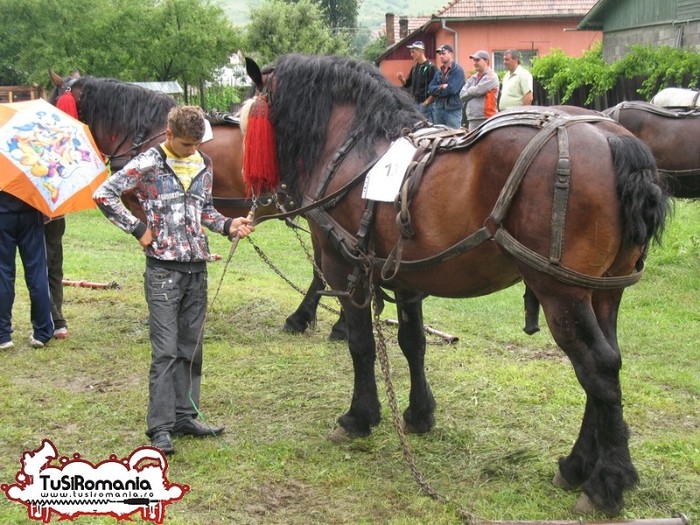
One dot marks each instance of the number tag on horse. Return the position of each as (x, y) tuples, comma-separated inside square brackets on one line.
[(383, 181)]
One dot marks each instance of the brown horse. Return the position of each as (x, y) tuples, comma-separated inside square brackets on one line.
[(566, 203), (672, 136), (126, 119)]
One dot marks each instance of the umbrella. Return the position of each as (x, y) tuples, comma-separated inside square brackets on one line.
[(47, 158)]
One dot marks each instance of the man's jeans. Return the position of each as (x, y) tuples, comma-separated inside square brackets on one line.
[(427, 111), (452, 118), (177, 303)]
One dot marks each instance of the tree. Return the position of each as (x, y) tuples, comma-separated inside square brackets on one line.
[(375, 48), (341, 14), (185, 40), (278, 27), (193, 39)]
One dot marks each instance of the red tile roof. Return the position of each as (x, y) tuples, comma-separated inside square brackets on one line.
[(514, 8), (414, 22)]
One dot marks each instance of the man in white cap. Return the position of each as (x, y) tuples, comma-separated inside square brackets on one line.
[(480, 92), (419, 78), (445, 86)]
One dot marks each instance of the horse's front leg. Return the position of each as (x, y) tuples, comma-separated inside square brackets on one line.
[(419, 416), (364, 410)]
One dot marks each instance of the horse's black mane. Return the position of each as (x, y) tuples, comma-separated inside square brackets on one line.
[(307, 88), (122, 109)]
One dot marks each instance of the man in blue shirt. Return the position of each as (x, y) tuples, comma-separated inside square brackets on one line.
[(445, 88)]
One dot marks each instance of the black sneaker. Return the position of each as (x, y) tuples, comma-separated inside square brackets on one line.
[(162, 440), (192, 427)]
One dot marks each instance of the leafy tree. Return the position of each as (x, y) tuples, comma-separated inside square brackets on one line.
[(185, 40), (660, 67), (192, 40), (341, 14), (278, 27), (375, 48)]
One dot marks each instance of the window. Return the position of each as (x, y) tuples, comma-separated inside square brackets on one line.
[(526, 60)]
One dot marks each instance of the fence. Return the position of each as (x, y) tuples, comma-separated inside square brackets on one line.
[(21, 93)]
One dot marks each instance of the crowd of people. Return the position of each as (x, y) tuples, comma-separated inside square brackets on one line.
[(446, 96)]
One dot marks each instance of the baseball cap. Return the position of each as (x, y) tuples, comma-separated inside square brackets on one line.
[(444, 47), (481, 54), (418, 44)]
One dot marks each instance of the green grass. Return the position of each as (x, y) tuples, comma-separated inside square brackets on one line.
[(508, 404)]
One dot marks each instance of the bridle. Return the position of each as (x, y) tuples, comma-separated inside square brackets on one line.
[(130, 152)]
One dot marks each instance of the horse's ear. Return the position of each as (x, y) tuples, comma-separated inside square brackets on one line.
[(254, 72), (56, 79)]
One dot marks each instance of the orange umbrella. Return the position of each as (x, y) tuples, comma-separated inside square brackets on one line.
[(47, 158)]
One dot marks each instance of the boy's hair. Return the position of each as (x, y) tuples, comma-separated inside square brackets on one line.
[(186, 121)]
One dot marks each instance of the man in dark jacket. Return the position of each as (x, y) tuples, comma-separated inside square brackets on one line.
[(445, 87), (419, 79), (22, 227)]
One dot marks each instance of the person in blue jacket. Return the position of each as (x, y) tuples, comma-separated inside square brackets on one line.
[(445, 88), (22, 228)]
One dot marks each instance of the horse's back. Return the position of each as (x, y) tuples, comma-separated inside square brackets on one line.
[(460, 191)]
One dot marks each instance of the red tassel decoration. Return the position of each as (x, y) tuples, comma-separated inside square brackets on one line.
[(260, 170)]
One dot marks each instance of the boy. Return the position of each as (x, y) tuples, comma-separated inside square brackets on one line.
[(173, 184)]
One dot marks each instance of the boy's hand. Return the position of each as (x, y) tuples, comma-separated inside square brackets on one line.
[(241, 227), (146, 239)]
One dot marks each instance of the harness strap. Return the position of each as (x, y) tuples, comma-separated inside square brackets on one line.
[(561, 196), (565, 275), (232, 202)]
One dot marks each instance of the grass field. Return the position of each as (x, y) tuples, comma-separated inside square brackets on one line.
[(508, 404)]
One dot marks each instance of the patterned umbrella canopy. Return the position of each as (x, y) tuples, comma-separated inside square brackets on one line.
[(47, 158)]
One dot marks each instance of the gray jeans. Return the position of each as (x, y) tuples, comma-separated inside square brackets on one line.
[(177, 304)]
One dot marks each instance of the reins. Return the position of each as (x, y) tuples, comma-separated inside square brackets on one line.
[(131, 152)]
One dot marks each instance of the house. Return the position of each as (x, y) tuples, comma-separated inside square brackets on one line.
[(674, 23), (533, 27), (171, 87)]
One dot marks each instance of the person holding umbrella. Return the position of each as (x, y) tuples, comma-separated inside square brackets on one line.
[(22, 228)]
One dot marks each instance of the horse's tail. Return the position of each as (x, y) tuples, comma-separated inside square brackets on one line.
[(645, 204)]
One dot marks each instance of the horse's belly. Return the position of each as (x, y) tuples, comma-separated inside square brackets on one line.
[(480, 272)]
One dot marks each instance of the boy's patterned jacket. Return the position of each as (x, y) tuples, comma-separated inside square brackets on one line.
[(174, 216)]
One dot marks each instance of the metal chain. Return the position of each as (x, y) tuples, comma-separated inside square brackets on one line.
[(275, 269), (424, 485)]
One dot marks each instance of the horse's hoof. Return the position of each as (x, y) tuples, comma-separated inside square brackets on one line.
[(340, 435), (293, 329), (337, 335), (410, 429), (560, 481), (584, 505), (529, 330)]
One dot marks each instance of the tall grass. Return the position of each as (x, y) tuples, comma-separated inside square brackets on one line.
[(508, 404)]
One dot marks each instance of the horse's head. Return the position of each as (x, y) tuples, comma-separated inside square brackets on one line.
[(64, 84), (309, 101)]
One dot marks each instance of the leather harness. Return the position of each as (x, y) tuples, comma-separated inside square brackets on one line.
[(430, 142), (676, 114)]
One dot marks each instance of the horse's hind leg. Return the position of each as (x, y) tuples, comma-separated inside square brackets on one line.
[(599, 461), (305, 314), (532, 312), (419, 416)]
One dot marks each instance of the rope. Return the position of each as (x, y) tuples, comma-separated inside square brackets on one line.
[(200, 335)]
